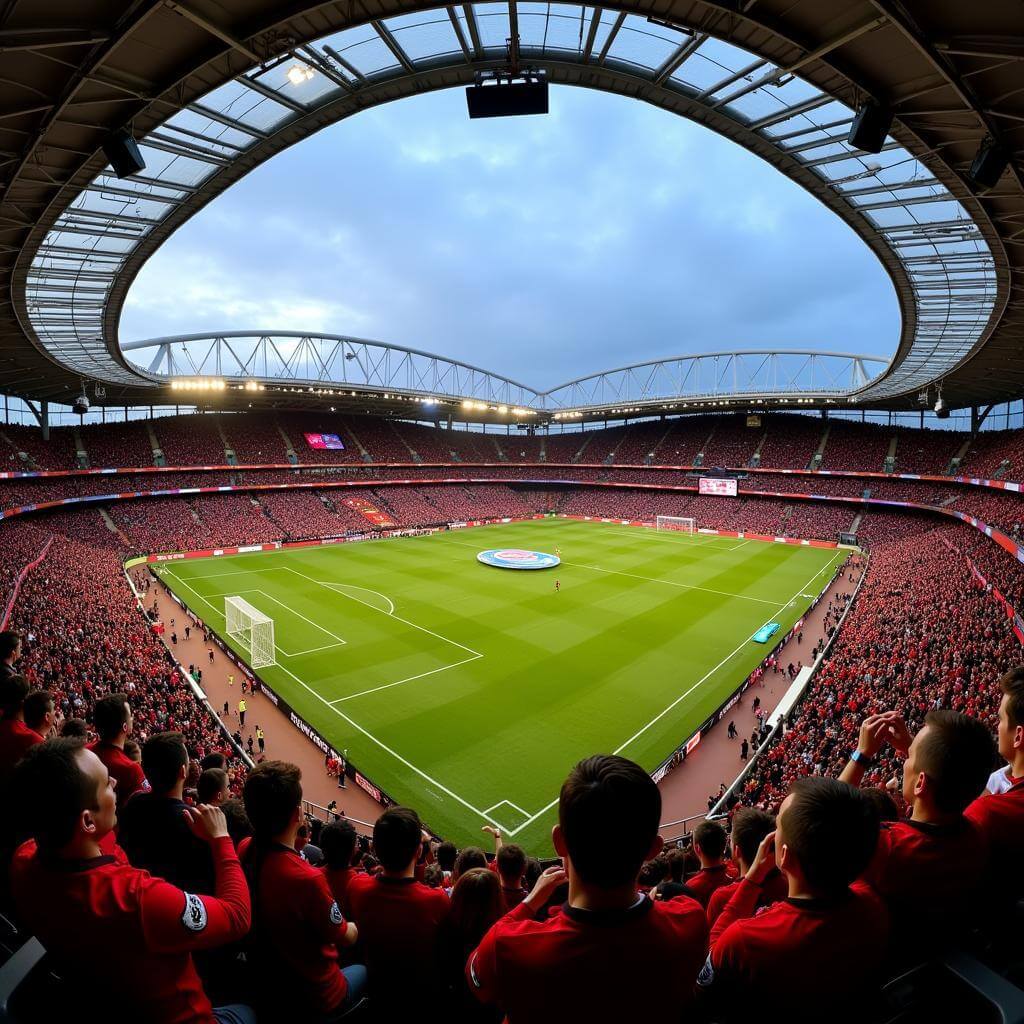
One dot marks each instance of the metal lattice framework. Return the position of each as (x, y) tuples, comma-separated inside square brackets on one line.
[(783, 87)]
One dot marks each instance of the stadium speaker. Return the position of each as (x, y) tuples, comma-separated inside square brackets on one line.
[(989, 164), (870, 127), (123, 153), (511, 100)]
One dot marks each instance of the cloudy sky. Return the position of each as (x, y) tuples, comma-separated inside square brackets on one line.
[(543, 248)]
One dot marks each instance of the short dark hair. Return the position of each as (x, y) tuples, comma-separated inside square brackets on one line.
[(338, 841), (9, 640), (711, 838), (272, 792), (446, 854), (957, 755), (13, 691), (833, 830), (397, 836), (76, 728), (110, 714), (609, 810), (214, 760), (749, 826), (888, 809), (1012, 684), (469, 857), (238, 821), (38, 704), (511, 862), (52, 792), (210, 783), (164, 754), (676, 860)]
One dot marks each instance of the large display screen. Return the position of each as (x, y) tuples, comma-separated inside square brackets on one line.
[(725, 486), (324, 441)]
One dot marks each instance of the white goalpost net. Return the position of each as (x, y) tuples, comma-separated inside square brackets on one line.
[(677, 524), (252, 630)]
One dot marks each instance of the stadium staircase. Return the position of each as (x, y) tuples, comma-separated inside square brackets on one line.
[(698, 459), (81, 455), (755, 459), (889, 466), (414, 455), (652, 457), (502, 457), (154, 443), (953, 469), (589, 434), (23, 457), (229, 452), (366, 456), (289, 448), (819, 456)]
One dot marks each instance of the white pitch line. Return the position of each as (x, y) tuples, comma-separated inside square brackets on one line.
[(352, 586), (683, 696), (311, 650), (738, 546), (270, 597), (408, 679)]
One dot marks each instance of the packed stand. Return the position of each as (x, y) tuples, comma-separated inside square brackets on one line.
[(255, 440), (732, 442), (56, 453), (111, 445), (191, 440), (790, 441), (853, 445)]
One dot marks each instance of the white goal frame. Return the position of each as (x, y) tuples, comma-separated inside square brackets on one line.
[(676, 524), (251, 630)]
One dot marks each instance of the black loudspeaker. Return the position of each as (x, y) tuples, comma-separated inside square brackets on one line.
[(989, 164), (507, 100), (123, 153), (870, 127)]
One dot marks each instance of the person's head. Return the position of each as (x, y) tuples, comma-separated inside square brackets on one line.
[(10, 646), (749, 826), (446, 854), (40, 711), (653, 871), (676, 862), (165, 761), (534, 869), (608, 815), (214, 760), (133, 751), (273, 799), (888, 809), (1011, 717), (469, 857), (433, 876), (709, 842), (511, 864), (238, 821), (948, 763), (825, 835), (397, 839), (212, 787), (476, 904), (112, 718), (13, 691), (66, 795), (338, 840), (75, 728)]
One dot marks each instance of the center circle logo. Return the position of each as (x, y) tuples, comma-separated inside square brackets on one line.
[(518, 558)]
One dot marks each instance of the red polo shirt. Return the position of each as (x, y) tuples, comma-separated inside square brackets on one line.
[(1000, 819), (829, 951), (775, 888), (128, 774), (707, 880), (398, 921), (16, 739), (625, 965), (338, 879), (115, 929), (297, 924)]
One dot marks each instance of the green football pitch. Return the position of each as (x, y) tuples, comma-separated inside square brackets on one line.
[(468, 691)]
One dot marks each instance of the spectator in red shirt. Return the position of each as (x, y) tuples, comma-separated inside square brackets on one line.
[(826, 940), (749, 827), (41, 713), (297, 923), (937, 850), (1000, 816), (338, 841), (611, 954), (10, 652), (213, 787), (709, 842), (510, 864), (112, 720), (398, 918), (16, 738), (111, 928)]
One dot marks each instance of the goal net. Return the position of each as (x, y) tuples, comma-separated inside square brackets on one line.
[(677, 524), (251, 630)]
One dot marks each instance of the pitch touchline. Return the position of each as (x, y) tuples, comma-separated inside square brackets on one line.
[(682, 696)]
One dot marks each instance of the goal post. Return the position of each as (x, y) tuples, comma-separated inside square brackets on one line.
[(251, 630), (676, 524)]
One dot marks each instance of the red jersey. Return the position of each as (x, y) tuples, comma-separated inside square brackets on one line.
[(913, 863), (297, 924), (830, 951), (16, 739), (128, 774), (775, 888), (116, 929), (633, 964), (398, 921), (707, 880), (1000, 819), (338, 879)]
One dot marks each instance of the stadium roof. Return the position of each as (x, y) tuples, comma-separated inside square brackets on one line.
[(211, 90)]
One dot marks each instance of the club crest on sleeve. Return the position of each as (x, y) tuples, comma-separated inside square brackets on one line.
[(336, 917), (194, 917)]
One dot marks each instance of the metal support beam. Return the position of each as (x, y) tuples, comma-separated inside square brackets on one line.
[(214, 30), (474, 29), (392, 44), (611, 37), (679, 57)]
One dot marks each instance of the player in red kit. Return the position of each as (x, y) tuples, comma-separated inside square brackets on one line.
[(558, 586), (112, 928)]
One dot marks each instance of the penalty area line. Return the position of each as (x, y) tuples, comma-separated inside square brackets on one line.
[(408, 679)]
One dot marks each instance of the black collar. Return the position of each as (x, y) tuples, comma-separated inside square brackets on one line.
[(388, 880), (606, 918), (821, 904), (73, 865)]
